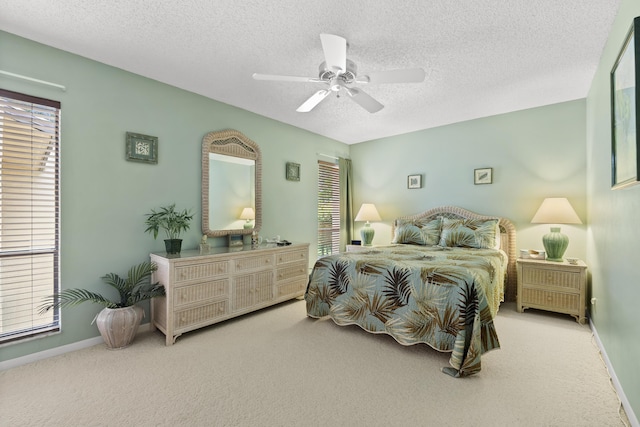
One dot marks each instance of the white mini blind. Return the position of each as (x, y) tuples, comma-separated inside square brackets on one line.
[(29, 213), (328, 208)]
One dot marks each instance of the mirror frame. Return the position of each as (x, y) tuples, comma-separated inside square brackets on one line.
[(231, 143)]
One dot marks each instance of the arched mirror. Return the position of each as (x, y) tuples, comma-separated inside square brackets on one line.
[(231, 183)]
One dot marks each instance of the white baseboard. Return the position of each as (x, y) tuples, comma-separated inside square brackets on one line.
[(79, 345), (614, 378)]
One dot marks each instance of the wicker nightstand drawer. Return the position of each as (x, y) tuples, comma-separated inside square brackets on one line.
[(552, 286), (567, 303), (568, 280)]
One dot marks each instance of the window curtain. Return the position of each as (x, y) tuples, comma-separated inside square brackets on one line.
[(346, 203)]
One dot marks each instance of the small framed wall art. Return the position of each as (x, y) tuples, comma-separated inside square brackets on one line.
[(142, 148), (625, 112), (293, 171), (483, 176), (414, 181)]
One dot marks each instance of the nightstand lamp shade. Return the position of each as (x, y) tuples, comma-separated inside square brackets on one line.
[(248, 214), (367, 212), (555, 210)]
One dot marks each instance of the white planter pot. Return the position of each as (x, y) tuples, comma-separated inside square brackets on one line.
[(118, 326)]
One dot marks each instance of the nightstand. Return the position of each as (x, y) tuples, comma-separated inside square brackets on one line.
[(553, 286)]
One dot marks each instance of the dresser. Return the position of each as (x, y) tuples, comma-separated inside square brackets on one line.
[(554, 286), (206, 288)]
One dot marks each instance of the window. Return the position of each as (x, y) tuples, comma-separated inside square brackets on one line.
[(328, 208), (29, 213)]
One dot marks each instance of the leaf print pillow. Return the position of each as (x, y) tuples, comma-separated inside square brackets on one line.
[(417, 232), (469, 233)]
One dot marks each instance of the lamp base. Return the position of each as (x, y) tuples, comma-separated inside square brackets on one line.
[(367, 234), (555, 243)]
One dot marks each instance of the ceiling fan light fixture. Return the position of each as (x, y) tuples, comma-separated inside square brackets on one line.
[(337, 72)]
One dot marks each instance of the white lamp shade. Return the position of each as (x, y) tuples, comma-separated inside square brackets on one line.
[(556, 210), (248, 213), (368, 212)]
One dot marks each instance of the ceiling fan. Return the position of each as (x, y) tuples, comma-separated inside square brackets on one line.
[(340, 74)]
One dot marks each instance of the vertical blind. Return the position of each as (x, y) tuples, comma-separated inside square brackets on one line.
[(29, 213), (328, 208)]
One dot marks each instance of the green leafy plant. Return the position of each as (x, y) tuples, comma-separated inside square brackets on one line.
[(134, 288), (170, 220)]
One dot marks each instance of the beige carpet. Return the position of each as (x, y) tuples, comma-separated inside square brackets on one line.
[(279, 368)]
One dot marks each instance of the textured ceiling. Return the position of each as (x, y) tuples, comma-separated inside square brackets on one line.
[(481, 57)]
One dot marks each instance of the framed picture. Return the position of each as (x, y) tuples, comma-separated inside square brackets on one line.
[(483, 176), (414, 181), (293, 171), (142, 148), (236, 240), (625, 95)]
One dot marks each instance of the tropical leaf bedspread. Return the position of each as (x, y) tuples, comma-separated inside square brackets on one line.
[(441, 296)]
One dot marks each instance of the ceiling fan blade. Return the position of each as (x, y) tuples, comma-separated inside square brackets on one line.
[(410, 75), (314, 100), (364, 100), (273, 77), (335, 52)]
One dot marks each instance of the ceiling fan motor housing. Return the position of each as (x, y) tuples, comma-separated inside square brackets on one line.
[(347, 76)]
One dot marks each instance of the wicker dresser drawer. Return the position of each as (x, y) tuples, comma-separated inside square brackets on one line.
[(298, 270), (201, 270), (552, 286), (254, 263), (292, 256), (187, 318), (216, 289)]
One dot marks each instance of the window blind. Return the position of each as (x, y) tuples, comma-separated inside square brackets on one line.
[(328, 208), (29, 213)]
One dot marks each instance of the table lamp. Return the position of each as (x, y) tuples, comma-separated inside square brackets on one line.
[(367, 212), (555, 210), (248, 214)]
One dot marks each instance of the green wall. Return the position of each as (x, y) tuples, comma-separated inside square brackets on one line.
[(104, 197), (613, 238), (534, 154)]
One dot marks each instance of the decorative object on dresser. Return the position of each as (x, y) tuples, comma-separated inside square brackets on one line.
[(142, 148), (553, 286), (414, 181), (235, 240), (367, 212), (248, 214), (119, 320), (173, 223), (555, 210), (205, 289), (443, 291), (483, 176), (625, 112)]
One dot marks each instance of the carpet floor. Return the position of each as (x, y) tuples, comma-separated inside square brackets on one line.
[(276, 367)]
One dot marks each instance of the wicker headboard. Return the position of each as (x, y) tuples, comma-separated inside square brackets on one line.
[(507, 238)]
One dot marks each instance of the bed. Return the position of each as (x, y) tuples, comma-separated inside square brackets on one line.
[(440, 282)]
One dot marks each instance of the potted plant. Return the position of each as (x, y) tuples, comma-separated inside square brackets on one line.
[(172, 222), (118, 322)]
